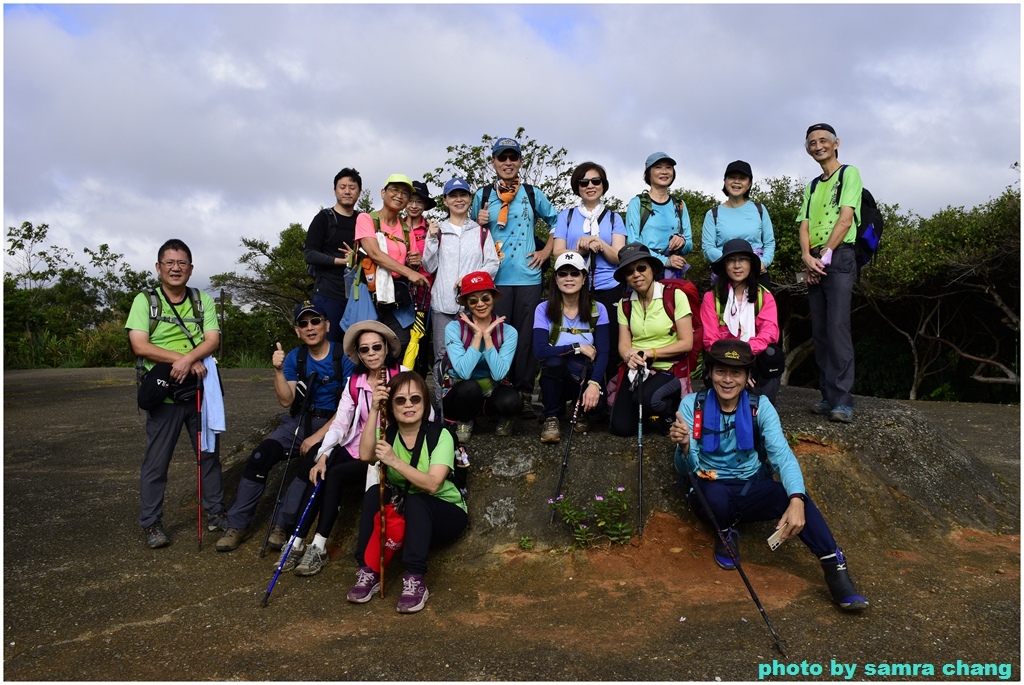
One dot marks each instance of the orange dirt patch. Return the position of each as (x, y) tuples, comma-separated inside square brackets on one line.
[(970, 539), (809, 444)]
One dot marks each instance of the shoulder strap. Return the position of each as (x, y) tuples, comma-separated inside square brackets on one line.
[(532, 197), (714, 214), (568, 218), (668, 301), (485, 194), (760, 210), (645, 209), (155, 310)]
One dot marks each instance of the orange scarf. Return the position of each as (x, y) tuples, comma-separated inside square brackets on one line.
[(506, 193)]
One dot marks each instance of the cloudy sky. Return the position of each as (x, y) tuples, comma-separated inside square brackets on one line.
[(129, 124)]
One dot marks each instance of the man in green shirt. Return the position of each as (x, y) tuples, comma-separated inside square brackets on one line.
[(828, 229), (182, 338)]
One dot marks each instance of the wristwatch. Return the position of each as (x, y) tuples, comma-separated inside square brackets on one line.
[(576, 349)]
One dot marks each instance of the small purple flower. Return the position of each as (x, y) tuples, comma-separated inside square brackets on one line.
[(583, 526), (561, 496), (599, 498), (551, 501), (620, 489)]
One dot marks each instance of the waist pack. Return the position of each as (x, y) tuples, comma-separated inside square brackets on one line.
[(157, 386)]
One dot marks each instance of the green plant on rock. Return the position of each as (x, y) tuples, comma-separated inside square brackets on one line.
[(602, 518)]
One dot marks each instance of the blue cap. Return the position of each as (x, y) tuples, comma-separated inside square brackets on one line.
[(505, 144), (456, 184), (656, 157), (306, 306)]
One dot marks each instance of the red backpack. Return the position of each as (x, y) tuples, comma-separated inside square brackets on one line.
[(685, 366)]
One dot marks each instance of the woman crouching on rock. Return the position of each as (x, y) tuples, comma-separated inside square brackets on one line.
[(418, 457)]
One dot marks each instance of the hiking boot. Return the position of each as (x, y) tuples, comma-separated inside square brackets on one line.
[(217, 522), (278, 536), (232, 538), (583, 424), (551, 433), (155, 536), (294, 555), (840, 586), (504, 428), (822, 408), (842, 414), (367, 583), (464, 431), (528, 411), (722, 557), (312, 561), (414, 594)]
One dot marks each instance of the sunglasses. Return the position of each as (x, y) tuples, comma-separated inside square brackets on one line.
[(474, 300), (508, 157), (639, 268), (584, 182), (376, 347), (312, 321), (402, 400), (574, 273)]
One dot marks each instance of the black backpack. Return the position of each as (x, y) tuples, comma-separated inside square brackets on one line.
[(301, 389), (433, 434), (869, 230)]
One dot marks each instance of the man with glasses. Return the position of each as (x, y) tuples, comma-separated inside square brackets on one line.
[(320, 380), (329, 241), (510, 210), (169, 332)]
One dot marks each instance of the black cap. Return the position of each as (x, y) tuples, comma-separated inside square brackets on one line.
[(820, 127), (419, 188), (739, 167), (737, 246), (731, 352), (306, 306)]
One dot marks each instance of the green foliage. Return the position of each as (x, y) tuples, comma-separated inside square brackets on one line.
[(525, 543), (249, 338), (603, 518)]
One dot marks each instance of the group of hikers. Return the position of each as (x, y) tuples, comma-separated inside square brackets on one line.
[(361, 411)]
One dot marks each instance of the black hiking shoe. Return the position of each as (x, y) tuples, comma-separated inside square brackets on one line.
[(840, 586), (155, 536), (722, 557), (217, 522)]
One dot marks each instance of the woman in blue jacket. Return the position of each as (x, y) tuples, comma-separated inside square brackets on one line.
[(737, 217)]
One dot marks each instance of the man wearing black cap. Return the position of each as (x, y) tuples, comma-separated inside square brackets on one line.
[(718, 437), (828, 229), (311, 327)]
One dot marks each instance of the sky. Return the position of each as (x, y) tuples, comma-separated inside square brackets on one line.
[(131, 124)]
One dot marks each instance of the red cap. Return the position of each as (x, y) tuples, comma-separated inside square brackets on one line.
[(476, 281)]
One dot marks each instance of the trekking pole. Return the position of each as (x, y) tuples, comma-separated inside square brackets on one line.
[(780, 644), (382, 423), (641, 373), (306, 403), (291, 542), (572, 430), (199, 457)]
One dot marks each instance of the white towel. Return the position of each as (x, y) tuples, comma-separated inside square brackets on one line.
[(385, 284), (214, 422)]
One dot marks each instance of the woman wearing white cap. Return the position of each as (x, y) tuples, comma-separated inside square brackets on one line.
[(570, 338), (654, 219), (388, 222)]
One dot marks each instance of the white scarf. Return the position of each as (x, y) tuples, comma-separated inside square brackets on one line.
[(590, 219), (739, 316)]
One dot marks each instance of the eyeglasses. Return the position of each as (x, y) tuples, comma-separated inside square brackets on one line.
[(401, 400), (399, 191), (171, 263), (508, 157), (574, 273), (474, 300), (376, 347), (311, 321), (639, 268), (584, 182)]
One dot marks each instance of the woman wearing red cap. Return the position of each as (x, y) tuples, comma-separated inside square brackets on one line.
[(479, 348)]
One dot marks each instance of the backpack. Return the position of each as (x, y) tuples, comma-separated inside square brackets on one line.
[(869, 230), (338, 359), (760, 212), (156, 317), (646, 208), (556, 331), (766, 470), (686, 365), (332, 226), (433, 434)]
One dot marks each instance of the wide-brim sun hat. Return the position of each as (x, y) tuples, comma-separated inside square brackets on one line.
[(573, 259), (351, 341), (731, 352), (420, 190), (635, 252), (474, 282), (737, 246)]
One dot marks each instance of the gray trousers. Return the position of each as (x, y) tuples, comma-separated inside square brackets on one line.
[(830, 303), (163, 426)]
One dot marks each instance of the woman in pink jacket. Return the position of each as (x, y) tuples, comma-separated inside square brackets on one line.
[(737, 307)]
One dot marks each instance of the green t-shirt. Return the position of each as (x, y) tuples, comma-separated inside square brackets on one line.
[(653, 328), (444, 453), (169, 336), (824, 207)]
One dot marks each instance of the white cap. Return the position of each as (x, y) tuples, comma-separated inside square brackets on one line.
[(571, 259)]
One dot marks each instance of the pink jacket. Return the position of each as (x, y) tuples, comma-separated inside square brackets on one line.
[(766, 323)]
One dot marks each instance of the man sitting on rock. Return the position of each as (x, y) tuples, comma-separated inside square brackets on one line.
[(727, 428)]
